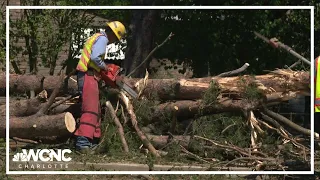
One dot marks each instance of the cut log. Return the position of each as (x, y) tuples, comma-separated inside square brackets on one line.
[(21, 84), (184, 109), (32, 126), (28, 107), (184, 89), (24, 107), (188, 109)]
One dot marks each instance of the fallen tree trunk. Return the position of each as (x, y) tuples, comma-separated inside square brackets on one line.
[(184, 89), (21, 84), (24, 107), (32, 126), (28, 107), (184, 109), (187, 89), (187, 109)]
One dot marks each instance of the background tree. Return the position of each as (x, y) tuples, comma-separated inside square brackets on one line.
[(2, 35), (140, 43)]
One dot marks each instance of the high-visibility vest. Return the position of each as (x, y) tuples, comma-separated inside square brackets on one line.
[(85, 61), (317, 85)]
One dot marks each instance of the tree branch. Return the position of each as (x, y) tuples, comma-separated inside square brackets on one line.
[(63, 100), (157, 47), (118, 124), (134, 122), (234, 72), (54, 94), (290, 123)]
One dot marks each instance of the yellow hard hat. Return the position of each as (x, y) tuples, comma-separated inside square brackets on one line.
[(118, 28)]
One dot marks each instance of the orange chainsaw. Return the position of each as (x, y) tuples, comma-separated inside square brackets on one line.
[(112, 78)]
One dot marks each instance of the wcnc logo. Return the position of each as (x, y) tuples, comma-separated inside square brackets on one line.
[(42, 155)]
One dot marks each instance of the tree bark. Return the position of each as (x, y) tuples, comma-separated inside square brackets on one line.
[(24, 107), (20, 108), (20, 84), (28, 107), (140, 44), (32, 126), (183, 109), (279, 81), (188, 89), (191, 109)]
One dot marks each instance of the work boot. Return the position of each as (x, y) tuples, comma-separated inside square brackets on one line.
[(85, 150), (96, 149), (83, 145)]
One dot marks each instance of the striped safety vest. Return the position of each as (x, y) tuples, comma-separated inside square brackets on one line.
[(85, 61), (317, 85)]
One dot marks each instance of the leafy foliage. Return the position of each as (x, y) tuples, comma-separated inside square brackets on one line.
[(210, 96), (215, 41)]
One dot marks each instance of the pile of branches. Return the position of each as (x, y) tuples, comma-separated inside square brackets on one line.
[(179, 100)]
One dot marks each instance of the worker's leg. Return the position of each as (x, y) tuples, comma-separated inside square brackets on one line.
[(97, 132), (90, 112)]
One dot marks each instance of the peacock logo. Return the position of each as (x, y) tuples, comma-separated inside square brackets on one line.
[(19, 157)]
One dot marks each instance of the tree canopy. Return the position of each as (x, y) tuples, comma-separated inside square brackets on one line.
[(211, 41)]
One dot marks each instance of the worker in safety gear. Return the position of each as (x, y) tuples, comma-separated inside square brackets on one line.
[(88, 68), (317, 95)]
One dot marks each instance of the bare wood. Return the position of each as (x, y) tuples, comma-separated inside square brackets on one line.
[(187, 89), (43, 95), (125, 119), (63, 100), (69, 122), (32, 94), (134, 122), (255, 128), (119, 126), (236, 71), (33, 126)]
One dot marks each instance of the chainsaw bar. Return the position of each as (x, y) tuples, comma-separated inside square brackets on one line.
[(126, 88)]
